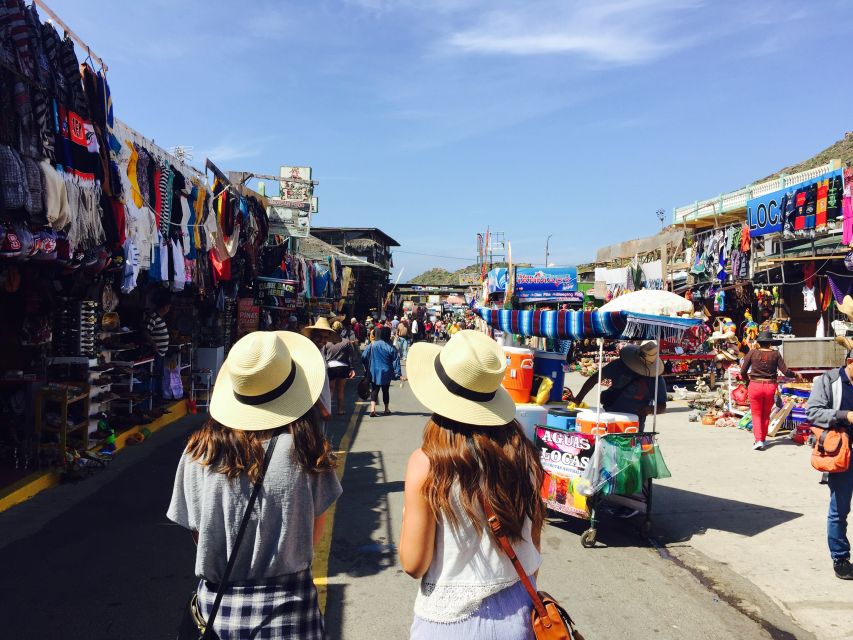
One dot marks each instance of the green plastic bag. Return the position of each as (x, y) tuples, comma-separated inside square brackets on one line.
[(652, 463)]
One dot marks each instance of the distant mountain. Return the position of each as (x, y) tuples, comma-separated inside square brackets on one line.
[(842, 150), (465, 275)]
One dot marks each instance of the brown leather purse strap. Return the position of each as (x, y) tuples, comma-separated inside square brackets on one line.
[(505, 544)]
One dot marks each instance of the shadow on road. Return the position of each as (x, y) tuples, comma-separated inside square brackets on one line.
[(678, 515), (363, 543)]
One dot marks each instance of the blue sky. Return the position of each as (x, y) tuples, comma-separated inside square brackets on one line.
[(434, 119)]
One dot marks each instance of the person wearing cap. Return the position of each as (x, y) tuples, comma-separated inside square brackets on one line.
[(830, 404), (264, 400), (474, 453), (632, 378), (759, 372)]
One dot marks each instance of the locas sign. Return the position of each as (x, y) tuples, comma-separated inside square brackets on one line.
[(765, 214)]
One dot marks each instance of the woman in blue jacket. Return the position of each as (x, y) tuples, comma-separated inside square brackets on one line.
[(382, 364)]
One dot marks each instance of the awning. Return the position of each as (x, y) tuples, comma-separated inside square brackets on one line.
[(577, 325)]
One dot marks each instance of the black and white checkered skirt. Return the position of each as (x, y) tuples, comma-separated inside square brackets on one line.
[(284, 608)]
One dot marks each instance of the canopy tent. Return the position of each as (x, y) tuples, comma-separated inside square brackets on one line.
[(577, 325)]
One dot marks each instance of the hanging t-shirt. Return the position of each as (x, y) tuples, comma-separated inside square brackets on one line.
[(809, 302)]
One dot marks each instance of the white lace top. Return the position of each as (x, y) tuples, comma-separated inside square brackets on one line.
[(467, 567)]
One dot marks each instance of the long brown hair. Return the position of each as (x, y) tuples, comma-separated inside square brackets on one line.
[(498, 462), (235, 452)]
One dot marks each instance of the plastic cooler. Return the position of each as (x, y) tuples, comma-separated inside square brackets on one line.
[(588, 421), (518, 377), (528, 416), (562, 419), (550, 364)]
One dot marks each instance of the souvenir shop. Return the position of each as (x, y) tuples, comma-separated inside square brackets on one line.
[(100, 228)]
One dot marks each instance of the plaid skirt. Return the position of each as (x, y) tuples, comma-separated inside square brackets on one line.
[(281, 609)]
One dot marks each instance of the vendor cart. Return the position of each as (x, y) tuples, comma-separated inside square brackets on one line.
[(576, 480)]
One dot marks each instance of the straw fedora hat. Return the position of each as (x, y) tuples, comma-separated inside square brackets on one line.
[(765, 337), (322, 324), (643, 358), (268, 380), (462, 380)]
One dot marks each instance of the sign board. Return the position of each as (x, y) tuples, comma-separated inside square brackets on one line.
[(496, 280), (276, 293), (315, 204), (764, 214), (565, 455), (552, 283), (291, 222), (296, 184), (248, 316)]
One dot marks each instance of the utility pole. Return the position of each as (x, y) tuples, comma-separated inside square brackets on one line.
[(547, 243)]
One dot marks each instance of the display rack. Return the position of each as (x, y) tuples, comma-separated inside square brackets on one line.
[(144, 393), (65, 397)]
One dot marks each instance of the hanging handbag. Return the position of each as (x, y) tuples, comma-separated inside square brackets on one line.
[(364, 383), (193, 625), (831, 452), (549, 620)]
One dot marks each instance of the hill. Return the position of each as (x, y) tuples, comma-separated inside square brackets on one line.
[(842, 150), (465, 275)]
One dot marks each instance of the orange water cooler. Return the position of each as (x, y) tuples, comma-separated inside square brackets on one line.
[(589, 421), (518, 377)]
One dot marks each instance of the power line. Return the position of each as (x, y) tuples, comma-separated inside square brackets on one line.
[(432, 255)]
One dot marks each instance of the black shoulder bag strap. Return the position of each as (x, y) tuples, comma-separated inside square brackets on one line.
[(232, 559)]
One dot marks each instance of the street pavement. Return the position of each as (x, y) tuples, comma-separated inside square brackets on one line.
[(99, 560)]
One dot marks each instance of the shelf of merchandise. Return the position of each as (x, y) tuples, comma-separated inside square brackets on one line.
[(129, 397), (98, 388), (65, 397)]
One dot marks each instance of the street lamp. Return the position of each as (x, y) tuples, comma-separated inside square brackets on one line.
[(661, 215), (547, 242)]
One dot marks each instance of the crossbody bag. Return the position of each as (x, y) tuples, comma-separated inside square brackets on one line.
[(549, 620), (193, 625)]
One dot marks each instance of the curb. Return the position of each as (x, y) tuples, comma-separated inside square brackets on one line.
[(36, 482)]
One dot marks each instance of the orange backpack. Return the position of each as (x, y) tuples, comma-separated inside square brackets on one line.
[(831, 451)]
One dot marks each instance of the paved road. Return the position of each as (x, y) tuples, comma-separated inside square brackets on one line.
[(98, 560)]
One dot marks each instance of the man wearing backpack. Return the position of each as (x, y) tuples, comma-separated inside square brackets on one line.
[(831, 405)]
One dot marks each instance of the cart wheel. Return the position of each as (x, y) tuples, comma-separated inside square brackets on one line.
[(588, 538)]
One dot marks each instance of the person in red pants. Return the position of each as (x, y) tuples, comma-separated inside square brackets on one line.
[(759, 371)]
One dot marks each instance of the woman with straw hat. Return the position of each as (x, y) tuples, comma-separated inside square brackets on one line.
[(474, 454), (339, 364), (759, 371), (263, 447)]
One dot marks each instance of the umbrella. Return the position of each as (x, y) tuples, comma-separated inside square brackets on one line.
[(650, 301)]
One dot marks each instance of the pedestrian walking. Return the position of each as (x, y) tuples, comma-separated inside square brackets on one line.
[(382, 363), (830, 404), (759, 372), (263, 431), (403, 339), (339, 364), (474, 453)]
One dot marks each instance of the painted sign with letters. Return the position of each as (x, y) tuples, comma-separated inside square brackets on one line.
[(764, 214), (565, 455), (553, 283)]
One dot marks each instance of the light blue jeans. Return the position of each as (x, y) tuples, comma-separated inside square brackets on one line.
[(403, 347), (840, 496)]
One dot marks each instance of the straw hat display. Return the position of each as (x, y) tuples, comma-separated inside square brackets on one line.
[(322, 324), (462, 380), (642, 359), (268, 380), (846, 306)]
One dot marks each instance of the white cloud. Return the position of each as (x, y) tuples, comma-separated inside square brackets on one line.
[(607, 31), (225, 152)]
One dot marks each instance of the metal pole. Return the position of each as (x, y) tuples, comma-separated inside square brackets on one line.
[(547, 243), (657, 381)]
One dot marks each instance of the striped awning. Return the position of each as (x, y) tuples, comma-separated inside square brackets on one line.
[(577, 325)]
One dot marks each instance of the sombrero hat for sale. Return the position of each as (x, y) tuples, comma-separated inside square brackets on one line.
[(268, 380), (462, 380), (322, 324), (846, 306)]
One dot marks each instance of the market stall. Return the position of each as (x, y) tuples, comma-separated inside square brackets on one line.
[(589, 456)]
